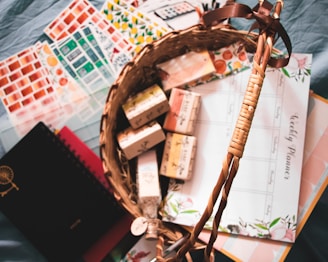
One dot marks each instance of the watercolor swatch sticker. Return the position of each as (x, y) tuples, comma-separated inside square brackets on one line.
[(83, 58), (178, 15), (175, 10), (115, 56), (29, 91), (81, 12), (66, 87), (68, 90), (133, 26)]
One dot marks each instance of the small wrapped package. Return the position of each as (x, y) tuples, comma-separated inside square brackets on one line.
[(133, 142), (178, 156), (146, 106), (184, 108), (186, 69), (149, 190)]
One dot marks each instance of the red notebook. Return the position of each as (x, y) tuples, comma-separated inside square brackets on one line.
[(116, 233), (85, 154)]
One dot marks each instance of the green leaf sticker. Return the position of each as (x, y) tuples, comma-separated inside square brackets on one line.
[(285, 72), (190, 211), (275, 221), (174, 208), (261, 226)]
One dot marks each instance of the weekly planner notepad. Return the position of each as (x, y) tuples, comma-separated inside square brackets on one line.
[(263, 200), (314, 181)]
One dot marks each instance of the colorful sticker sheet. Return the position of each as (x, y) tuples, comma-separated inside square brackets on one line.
[(133, 24), (34, 89), (66, 81), (81, 12), (115, 56), (175, 10), (68, 90), (83, 58), (141, 14)]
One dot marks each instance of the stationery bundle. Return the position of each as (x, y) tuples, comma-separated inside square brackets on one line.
[(271, 168), (67, 82)]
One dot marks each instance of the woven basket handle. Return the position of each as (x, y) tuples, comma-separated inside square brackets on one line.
[(270, 28), (265, 22)]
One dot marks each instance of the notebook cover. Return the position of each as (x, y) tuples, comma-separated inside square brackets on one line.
[(121, 228), (86, 155), (53, 198)]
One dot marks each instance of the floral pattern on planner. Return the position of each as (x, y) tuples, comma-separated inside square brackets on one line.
[(280, 228), (299, 67), (175, 206)]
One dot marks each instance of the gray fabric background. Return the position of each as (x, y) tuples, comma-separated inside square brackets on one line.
[(22, 23)]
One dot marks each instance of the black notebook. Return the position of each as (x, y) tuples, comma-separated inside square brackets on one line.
[(52, 198)]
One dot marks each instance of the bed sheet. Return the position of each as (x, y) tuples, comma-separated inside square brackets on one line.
[(306, 21)]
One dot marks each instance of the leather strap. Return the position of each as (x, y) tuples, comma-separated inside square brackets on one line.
[(263, 21)]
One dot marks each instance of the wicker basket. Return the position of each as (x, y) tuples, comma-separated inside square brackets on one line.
[(141, 73)]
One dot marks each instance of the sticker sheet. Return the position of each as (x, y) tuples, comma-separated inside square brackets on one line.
[(134, 25), (141, 14), (83, 58), (116, 56), (64, 82), (81, 12), (32, 88), (170, 13)]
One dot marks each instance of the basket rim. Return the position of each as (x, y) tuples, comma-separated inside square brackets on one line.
[(108, 146)]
